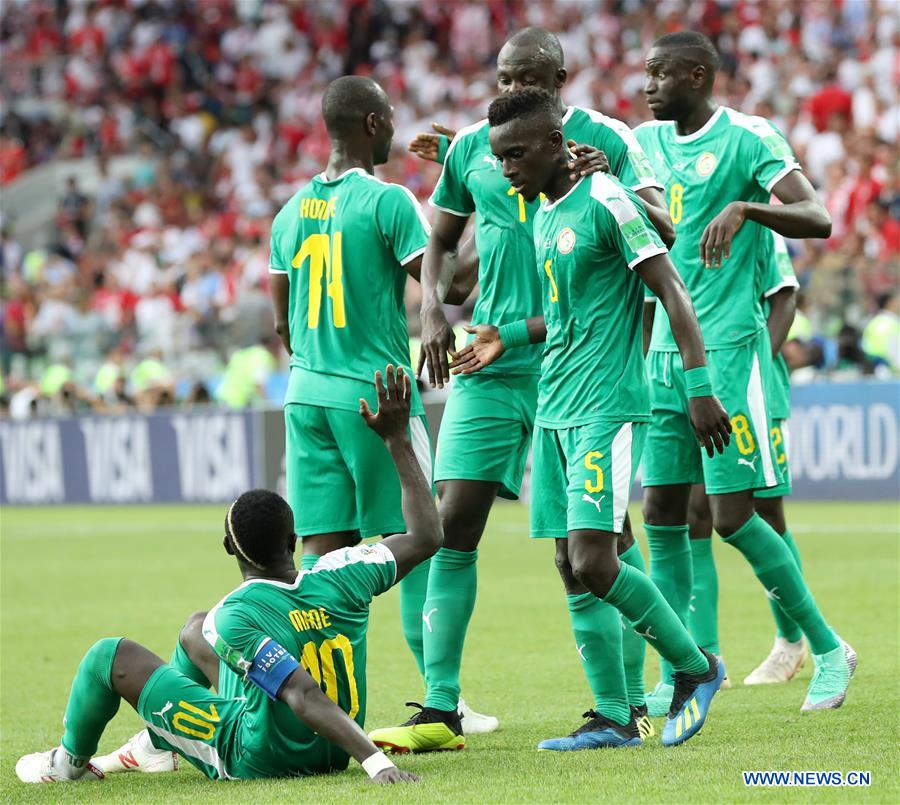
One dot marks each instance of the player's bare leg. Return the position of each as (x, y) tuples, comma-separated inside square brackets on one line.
[(110, 671), (703, 612), (592, 556), (445, 718), (665, 511), (735, 518), (789, 652)]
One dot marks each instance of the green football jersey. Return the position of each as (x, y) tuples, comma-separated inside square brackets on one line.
[(587, 245), (779, 274), (321, 620), (472, 182), (343, 244), (734, 157)]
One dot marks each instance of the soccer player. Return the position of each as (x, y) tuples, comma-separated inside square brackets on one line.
[(594, 246), (291, 647), (488, 421), (720, 168), (342, 249), (779, 289)]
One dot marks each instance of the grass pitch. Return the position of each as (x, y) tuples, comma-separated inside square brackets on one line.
[(72, 575)]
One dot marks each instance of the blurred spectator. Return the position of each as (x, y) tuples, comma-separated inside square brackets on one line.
[(881, 338)]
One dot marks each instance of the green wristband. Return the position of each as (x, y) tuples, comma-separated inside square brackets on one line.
[(697, 382), (443, 146), (514, 334)]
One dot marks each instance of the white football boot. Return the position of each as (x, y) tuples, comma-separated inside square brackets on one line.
[(55, 766), (138, 754), (783, 662), (475, 723)]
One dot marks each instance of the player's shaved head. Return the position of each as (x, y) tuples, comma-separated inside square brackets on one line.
[(348, 101), (259, 528), (691, 48), (536, 44)]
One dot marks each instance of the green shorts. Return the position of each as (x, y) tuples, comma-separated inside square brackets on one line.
[(781, 444), (673, 456), (486, 431), (201, 726), (581, 477), (339, 474)]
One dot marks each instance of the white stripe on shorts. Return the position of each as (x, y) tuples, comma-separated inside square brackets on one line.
[(621, 475), (756, 402), (191, 748), (422, 447)]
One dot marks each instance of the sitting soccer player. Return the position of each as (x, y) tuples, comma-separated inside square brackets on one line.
[(290, 647)]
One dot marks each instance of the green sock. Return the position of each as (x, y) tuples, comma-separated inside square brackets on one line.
[(634, 648), (308, 560), (92, 700), (775, 567), (182, 663), (639, 600), (785, 625), (597, 627), (452, 585), (703, 615), (413, 588), (671, 571)]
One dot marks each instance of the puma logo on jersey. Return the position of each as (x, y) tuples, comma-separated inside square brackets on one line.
[(648, 635), (162, 713), (580, 650), (597, 503), (750, 464), (427, 618), (772, 595), (492, 161)]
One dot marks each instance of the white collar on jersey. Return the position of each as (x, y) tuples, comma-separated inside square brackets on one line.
[(568, 114), (324, 178), (704, 129)]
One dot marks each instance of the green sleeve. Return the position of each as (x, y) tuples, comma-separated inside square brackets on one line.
[(451, 194), (279, 260), (232, 637), (402, 223), (767, 154), (627, 160), (622, 218), (357, 574)]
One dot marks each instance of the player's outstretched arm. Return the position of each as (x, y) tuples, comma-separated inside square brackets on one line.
[(709, 418), (307, 701), (281, 289), (438, 262), (491, 342), (800, 215), (782, 307), (391, 422)]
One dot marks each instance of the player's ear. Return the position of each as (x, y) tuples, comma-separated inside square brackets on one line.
[(371, 123), (226, 543), (699, 76), (562, 75), (556, 141), (292, 544)]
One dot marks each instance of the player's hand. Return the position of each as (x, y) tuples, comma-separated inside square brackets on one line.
[(425, 146), (587, 160), (711, 423), (715, 245), (394, 399), (437, 340), (481, 352), (393, 776)]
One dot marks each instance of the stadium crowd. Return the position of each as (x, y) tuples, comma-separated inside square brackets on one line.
[(153, 290)]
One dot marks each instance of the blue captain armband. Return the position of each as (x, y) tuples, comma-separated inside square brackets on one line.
[(271, 666)]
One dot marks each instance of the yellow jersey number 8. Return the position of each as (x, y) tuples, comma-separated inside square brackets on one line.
[(325, 263), (676, 204)]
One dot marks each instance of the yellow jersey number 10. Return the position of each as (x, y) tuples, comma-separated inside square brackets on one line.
[(324, 254)]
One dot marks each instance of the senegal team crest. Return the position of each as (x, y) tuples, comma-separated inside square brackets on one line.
[(565, 241), (706, 164)]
